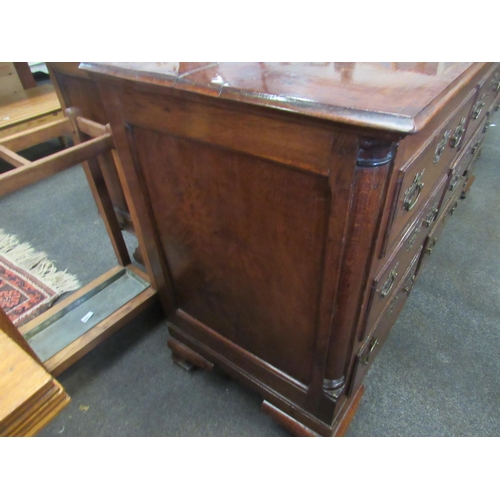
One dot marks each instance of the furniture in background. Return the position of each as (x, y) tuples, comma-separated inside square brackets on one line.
[(23, 105), (288, 208), (76, 89), (29, 396)]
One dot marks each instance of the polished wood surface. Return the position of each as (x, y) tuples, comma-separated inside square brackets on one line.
[(29, 396), (390, 96), (286, 209), (27, 109)]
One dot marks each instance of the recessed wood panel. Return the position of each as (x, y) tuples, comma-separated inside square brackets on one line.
[(244, 240)]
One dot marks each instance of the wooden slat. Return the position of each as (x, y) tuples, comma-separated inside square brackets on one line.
[(91, 128), (37, 135), (40, 169), (84, 344), (25, 75), (24, 329), (95, 171), (13, 158)]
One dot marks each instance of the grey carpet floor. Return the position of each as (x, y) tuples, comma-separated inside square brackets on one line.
[(438, 373)]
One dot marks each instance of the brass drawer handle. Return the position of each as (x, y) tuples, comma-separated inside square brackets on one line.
[(412, 238), (453, 208), (431, 216), (454, 182), (476, 146), (457, 136), (409, 284), (430, 246), (441, 146), (412, 194), (392, 305), (476, 110), (495, 84), (373, 343), (389, 283)]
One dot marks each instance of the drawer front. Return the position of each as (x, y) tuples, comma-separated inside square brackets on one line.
[(388, 278), (458, 173), (417, 178), (376, 339), (488, 94), (491, 90), (433, 237), (473, 151)]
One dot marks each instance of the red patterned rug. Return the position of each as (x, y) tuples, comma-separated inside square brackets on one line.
[(29, 282)]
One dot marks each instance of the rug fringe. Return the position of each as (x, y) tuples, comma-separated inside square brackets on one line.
[(24, 256)]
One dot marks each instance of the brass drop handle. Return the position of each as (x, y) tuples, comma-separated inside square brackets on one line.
[(456, 138), (389, 283), (495, 84), (409, 285), (441, 146), (393, 303), (454, 182), (430, 246), (476, 110), (373, 343), (431, 216), (412, 194), (412, 238), (453, 208), (474, 148)]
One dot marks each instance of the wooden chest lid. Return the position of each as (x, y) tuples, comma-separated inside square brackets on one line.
[(399, 97)]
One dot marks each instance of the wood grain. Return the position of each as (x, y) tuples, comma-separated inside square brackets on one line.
[(45, 167), (262, 193), (12, 158), (29, 396), (37, 135)]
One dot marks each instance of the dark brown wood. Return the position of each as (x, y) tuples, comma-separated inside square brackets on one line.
[(315, 89), (347, 413), (289, 423), (273, 201), (186, 357)]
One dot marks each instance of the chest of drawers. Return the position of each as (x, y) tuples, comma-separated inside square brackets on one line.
[(287, 209)]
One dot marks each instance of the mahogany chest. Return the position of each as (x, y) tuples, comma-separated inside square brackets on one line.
[(286, 209)]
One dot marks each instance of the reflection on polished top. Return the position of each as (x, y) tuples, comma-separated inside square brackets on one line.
[(392, 96)]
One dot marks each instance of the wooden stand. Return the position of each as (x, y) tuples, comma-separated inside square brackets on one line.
[(58, 348)]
